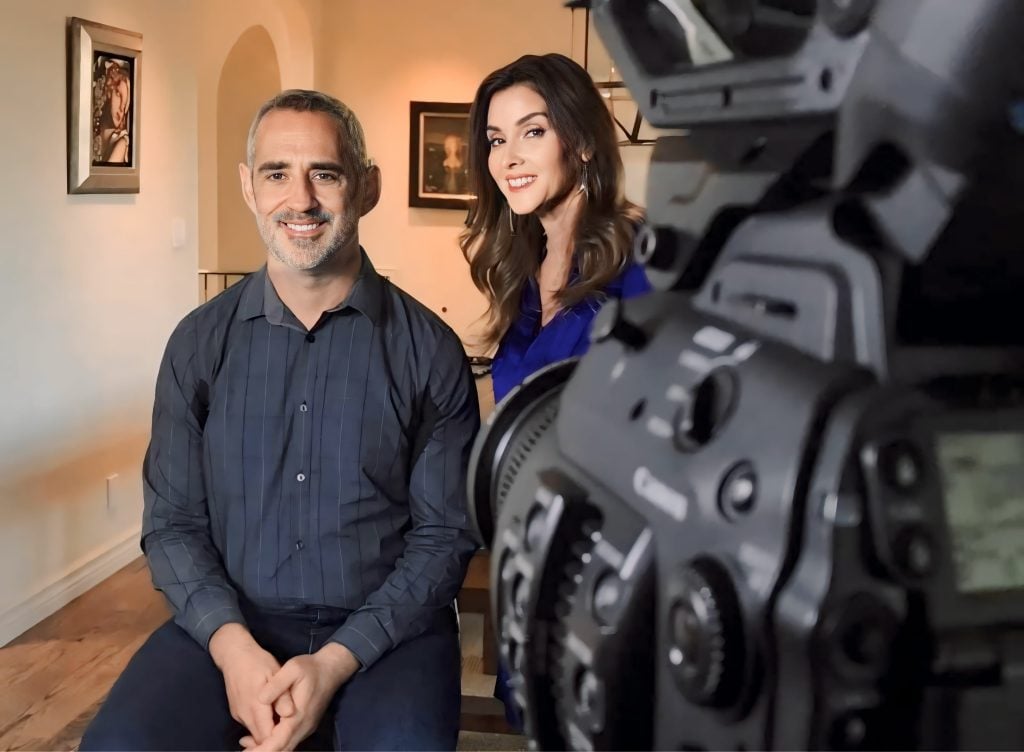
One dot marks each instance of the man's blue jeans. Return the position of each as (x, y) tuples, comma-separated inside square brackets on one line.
[(172, 696)]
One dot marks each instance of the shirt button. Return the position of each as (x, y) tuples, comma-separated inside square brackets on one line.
[(310, 337), (300, 477), (299, 545), (303, 408)]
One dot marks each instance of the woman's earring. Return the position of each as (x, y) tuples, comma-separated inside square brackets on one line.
[(584, 187), (511, 224)]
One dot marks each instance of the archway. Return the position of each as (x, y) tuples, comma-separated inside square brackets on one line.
[(250, 76)]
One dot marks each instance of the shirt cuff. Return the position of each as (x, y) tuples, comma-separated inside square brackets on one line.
[(365, 638), (202, 626)]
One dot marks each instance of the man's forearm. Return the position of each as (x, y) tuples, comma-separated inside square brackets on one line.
[(427, 579), (186, 569), (228, 641), (338, 662)]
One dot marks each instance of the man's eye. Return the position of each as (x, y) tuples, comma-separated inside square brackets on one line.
[(275, 176), (325, 177)]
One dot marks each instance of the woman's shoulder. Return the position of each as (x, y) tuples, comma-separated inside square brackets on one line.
[(632, 281)]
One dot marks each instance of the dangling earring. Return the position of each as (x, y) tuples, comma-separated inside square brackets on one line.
[(511, 224), (584, 187)]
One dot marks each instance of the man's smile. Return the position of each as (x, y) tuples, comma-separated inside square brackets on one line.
[(303, 228)]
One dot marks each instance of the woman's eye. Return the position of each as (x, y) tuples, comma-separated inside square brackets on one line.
[(534, 132), (496, 141)]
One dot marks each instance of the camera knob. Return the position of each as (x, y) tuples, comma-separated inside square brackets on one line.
[(846, 17), (655, 247), (610, 323), (706, 638), (901, 467)]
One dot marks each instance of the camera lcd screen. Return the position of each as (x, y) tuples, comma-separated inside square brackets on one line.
[(983, 490)]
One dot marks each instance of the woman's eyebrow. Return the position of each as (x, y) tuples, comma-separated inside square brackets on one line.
[(521, 120)]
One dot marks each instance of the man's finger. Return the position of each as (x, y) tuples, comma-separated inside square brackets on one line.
[(261, 720), (278, 684), (284, 706), (280, 739), (247, 742)]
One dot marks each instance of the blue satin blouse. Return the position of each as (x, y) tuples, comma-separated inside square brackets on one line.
[(528, 347)]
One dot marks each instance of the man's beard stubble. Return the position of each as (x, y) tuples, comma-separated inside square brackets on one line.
[(304, 254)]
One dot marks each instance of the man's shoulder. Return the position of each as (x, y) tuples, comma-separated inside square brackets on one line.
[(406, 312), (215, 314), (224, 303)]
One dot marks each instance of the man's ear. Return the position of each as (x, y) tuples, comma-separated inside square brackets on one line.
[(245, 175), (370, 190)]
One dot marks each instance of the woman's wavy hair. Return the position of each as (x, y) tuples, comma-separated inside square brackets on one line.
[(501, 259)]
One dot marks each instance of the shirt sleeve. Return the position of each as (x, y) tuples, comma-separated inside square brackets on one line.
[(176, 537), (439, 544)]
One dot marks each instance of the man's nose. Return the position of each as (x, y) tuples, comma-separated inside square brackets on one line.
[(302, 196)]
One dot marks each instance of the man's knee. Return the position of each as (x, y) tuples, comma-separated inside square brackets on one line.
[(169, 696), (106, 733), (403, 734)]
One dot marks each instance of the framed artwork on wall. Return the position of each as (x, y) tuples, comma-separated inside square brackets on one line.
[(104, 76), (439, 155)]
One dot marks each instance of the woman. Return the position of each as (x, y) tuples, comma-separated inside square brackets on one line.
[(551, 234), (111, 132)]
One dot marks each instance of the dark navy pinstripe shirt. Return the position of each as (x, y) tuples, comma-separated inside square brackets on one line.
[(290, 469)]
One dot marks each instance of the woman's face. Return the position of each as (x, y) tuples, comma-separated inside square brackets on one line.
[(119, 93), (525, 156), (452, 145), (119, 103)]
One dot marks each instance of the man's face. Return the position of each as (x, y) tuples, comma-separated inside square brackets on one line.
[(302, 190)]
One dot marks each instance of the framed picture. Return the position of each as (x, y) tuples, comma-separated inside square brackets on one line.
[(439, 155), (104, 73)]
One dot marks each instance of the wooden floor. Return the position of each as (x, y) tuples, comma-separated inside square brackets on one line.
[(54, 677)]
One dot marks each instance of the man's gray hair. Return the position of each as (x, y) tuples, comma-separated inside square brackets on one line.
[(305, 100)]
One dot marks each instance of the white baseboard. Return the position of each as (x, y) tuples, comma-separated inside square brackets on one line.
[(56, 595)]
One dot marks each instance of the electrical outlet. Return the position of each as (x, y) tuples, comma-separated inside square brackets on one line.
[(110, 490)]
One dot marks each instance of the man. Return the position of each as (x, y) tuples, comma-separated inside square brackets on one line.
[(304, 486)]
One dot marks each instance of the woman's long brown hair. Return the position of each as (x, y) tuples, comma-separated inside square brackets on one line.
[(500, 260)]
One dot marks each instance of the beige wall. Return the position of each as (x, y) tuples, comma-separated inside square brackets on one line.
[(91, 287), (388, 54)]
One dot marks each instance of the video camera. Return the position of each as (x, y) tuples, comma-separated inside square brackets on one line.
[(780, 502)]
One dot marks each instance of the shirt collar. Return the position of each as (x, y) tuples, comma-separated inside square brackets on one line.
[(366, 296), (251, 304)]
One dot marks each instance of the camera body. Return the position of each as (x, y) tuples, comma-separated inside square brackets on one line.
[(778, 503)]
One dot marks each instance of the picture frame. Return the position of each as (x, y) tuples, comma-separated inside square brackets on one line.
[(104, 95), (439, 155)]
